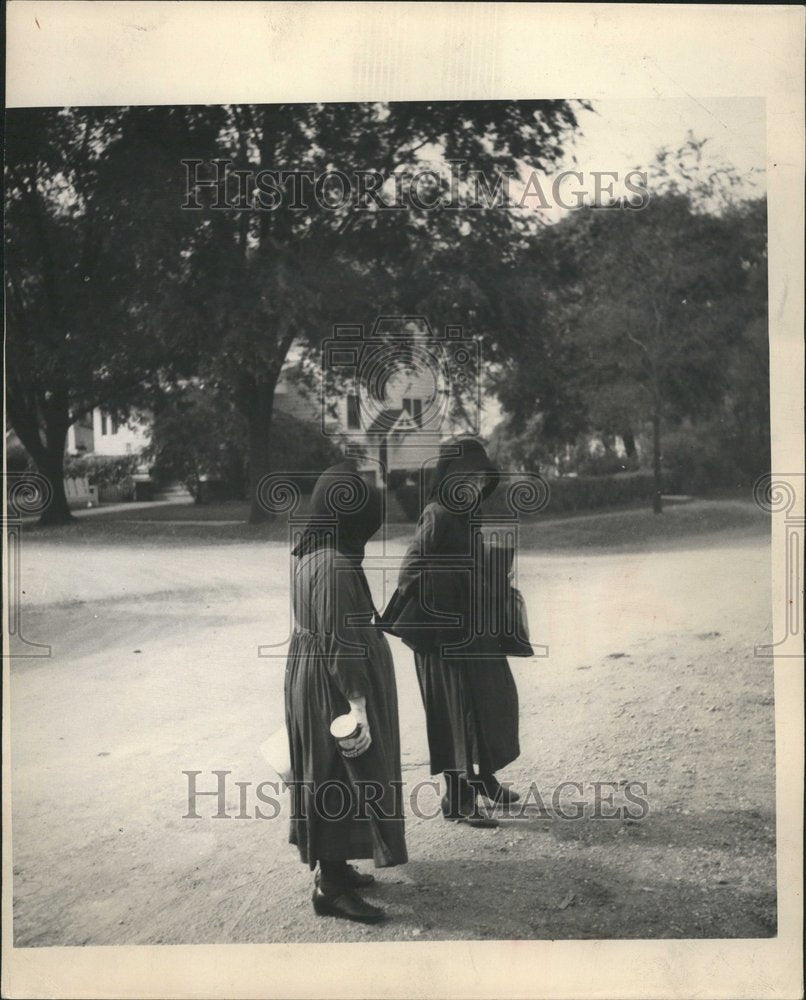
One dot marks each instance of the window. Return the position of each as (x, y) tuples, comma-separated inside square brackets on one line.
[(414, 408), (104, 429), (113, 425), (353, 415)]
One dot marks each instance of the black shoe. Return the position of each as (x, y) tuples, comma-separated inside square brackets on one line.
[(347, 905), (353, 878), (466, 812), (457, 810), (459, 800), (492, 789)]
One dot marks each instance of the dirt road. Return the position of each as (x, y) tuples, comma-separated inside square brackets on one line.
[(155, 671)]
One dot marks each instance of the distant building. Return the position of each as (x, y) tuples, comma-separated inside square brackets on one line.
[(393, 416), (99, 433), (392, 421)]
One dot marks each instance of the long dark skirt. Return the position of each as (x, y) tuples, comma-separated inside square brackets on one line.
[(325, 825), (471, 711)]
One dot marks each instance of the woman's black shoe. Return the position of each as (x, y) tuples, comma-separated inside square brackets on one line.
[(352, 878), (459, 800), (466, 813), (457, 810), (347, 905), (491, 788)]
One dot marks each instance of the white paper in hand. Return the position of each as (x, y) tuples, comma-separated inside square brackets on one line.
[(277, 755)]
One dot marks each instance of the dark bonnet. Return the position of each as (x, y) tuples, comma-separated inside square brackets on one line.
[(462, 455), (345, 513)]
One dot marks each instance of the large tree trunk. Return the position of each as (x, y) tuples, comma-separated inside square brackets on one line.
[(58, 510), (258, 410), (657, 497), (628, 438), (49, 458)]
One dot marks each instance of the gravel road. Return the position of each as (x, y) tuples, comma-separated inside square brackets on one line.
[(155, 671)]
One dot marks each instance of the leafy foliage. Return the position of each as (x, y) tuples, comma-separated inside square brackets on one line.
[(655, 316), (258, 281), (102, 470), (198, 432), (93, 241)]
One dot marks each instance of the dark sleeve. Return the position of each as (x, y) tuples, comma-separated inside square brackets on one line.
[(344, 614), (424, 545)]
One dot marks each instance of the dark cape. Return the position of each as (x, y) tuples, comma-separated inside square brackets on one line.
[(468, 691), (337, 653)]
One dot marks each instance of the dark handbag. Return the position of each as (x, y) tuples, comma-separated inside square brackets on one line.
[(507, 608), (515, 638), (410, 617)]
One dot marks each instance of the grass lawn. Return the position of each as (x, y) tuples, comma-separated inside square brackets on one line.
[(625, 528)]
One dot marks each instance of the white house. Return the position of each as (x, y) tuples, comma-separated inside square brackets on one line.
[(392, 412), (393, 408), (102, 434)]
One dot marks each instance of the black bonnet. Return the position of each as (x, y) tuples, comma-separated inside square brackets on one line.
[(457, 456), (345, 513)]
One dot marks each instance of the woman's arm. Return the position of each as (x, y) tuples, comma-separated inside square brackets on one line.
[(358, 707), (421, 547), (344, 615)]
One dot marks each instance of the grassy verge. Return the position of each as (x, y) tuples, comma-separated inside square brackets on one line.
[(633, 527)]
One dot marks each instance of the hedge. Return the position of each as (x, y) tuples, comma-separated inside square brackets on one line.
[(112, 470), (565, 494), (592, 492)]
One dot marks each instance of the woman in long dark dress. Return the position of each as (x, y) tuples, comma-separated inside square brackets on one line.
[(339, 662), (468, 691)]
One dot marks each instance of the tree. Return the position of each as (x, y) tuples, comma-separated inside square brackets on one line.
[(197, 431), (114, 287), (258, 281), (654, 303), (92, 246)]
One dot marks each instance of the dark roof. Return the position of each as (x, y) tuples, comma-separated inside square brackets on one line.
[(384, 421)]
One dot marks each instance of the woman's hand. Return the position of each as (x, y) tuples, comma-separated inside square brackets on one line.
[(364, 739)]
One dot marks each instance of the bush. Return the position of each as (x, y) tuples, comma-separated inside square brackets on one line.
[(586, 493), (592, 492), (18, 459), (300, 446), (566, 494), (103, 470), (712, 455), (200, 439), (607, 464)]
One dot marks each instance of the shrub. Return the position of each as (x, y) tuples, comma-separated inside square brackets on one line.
[(592, 492), (607, 464), (103, 470), (18, 459), (200, 439), (565, 494), (300, 446), (712, 455), (585, 493)]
